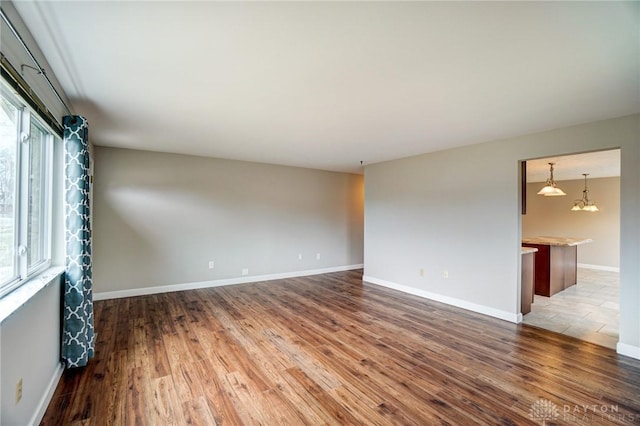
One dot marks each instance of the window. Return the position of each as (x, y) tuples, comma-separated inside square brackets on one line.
[(25, 193), (8, 153)]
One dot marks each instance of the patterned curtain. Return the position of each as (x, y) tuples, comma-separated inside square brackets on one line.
[(77, 322)]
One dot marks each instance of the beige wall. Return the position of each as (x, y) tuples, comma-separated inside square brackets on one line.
[(160, 218), (553, 216), (459, 210), (30, 350)]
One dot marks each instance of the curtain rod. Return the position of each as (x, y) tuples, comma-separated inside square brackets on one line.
[(40, 70), (13, 78)]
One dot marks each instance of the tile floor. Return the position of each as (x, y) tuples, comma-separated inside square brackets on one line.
[(589, 310)]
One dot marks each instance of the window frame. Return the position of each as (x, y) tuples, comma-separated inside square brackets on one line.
[(46, 199), (23, 271)]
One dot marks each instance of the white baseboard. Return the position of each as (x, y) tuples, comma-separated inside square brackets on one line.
[(628, 350), (46, 398), (599, 267), (217, 283), (459, 303)]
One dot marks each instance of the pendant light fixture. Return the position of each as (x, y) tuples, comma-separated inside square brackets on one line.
[(550, 189), (584, 204)]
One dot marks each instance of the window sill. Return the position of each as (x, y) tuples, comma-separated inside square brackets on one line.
[(19, 297)]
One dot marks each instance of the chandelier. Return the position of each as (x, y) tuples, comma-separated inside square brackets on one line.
[(584, 204), (550, 189)]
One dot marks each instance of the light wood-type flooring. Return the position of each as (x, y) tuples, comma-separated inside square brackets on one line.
[(330, 350)]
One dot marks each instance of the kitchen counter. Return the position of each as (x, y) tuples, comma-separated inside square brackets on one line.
[(557, 241), (556, 262), (527, 250)]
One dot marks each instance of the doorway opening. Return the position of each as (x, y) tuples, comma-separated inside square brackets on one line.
[(579, 248)]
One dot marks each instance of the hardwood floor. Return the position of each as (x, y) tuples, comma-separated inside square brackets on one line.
[(328, 349)]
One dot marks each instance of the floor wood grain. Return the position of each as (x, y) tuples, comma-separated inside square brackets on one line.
[(330, 350)]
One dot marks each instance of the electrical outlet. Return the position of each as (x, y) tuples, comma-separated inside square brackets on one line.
[(245, 271), (421, 272), (299, 256), (211, 264), (19, 391), (317, 256), (445, 274)]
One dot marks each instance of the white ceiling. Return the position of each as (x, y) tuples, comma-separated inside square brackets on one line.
[(570, 167), (328, 84)]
